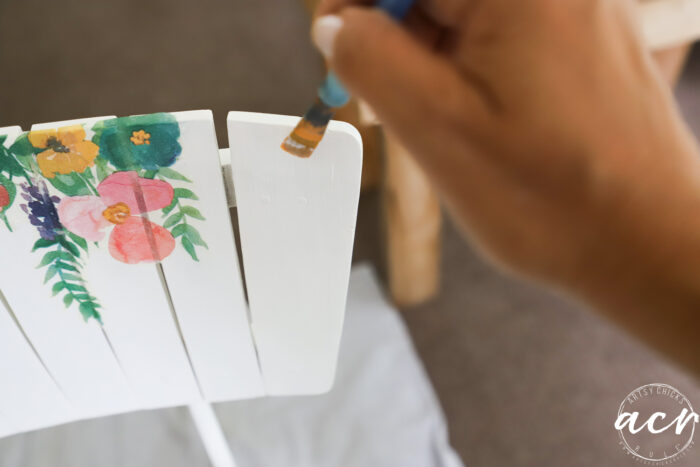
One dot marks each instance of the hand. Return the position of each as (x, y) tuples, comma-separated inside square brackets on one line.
[(552, 139)]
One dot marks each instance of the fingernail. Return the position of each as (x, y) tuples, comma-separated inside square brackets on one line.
[(324, 31)]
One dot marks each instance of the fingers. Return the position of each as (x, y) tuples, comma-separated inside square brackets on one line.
[(424, 28), (327, 7), (445, 13), (409, 87)]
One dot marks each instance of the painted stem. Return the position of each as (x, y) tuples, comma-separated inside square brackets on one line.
[(7, 222), (88, 183)]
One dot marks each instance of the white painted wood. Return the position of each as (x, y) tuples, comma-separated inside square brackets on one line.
[(212, 435), (137, 321), (76, 353), (297, 223), (29, 397), (137, 359), (208, 295), (139, 324), (667, 23)]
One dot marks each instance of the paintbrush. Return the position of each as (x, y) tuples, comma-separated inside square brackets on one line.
[(331, 95)]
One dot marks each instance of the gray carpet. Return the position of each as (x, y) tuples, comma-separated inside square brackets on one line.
[(525, 378)]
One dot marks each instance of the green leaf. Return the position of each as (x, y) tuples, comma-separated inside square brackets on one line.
[(102, 168), (89, 310), (89, 175), (75, 287), (70, 184), (85, 297), (43, 243), (80, 241), (22, 146), (179, 230), (68, 300), (66, 256), (193, 235), (172, 174), (57, 287), (97, 129), (71, 277), (50, 272), (149, 174), (192, 212), (168, 209), (189, 247), (9, 163), (49, 258), (190, 232), (185, 193), (172, 220), (3, 217), (69, 246), (66, 267)]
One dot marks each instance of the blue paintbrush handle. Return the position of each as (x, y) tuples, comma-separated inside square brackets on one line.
[(332, 92), (397, 9)]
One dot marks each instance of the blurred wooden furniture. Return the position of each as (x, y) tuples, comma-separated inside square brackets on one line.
[(411, 211)]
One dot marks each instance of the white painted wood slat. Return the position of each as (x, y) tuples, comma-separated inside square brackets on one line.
[(29, 397), (297, 223), (75, 352), (208, 295), (178, 332), (137, 321)]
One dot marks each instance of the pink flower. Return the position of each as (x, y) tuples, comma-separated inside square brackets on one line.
[(4, 198), (124, 198)]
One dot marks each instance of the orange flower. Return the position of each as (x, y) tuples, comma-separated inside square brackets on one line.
[(66, 150)]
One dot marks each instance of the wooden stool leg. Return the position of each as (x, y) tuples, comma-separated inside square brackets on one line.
[(412, 222)]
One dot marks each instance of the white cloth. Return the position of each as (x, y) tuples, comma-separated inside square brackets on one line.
[(381, 412)]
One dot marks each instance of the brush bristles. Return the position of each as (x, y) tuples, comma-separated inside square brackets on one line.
[(309, 131)]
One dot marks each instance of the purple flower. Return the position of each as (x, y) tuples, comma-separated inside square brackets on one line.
[(41, 209)]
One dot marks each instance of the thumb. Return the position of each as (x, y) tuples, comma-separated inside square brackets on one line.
[(407, 85)]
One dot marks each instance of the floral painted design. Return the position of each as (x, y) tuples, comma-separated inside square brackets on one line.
[(118, 207), (40, 207), (139, 143), (4, 197), (81, 193), (64, 150), (5, 201)]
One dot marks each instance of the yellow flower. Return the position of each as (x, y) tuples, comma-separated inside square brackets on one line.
[(66, 150)]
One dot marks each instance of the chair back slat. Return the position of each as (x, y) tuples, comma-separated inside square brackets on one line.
[(297, 221), (120, 286)]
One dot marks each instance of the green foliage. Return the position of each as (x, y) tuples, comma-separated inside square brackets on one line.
[(180, 215), (102, 168), (147, 144), (71, 184), (9, 164), (22, 147), (62, 264), (165, 172)]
